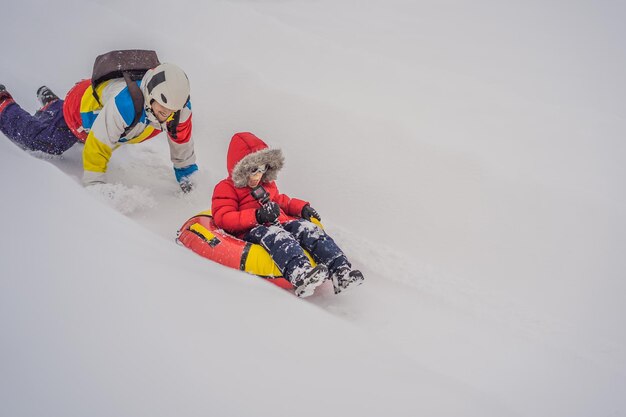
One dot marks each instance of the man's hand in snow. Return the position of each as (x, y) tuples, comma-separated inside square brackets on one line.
[(93, 178), (183, 176)]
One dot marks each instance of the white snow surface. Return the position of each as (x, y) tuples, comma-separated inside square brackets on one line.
[(468, 157)]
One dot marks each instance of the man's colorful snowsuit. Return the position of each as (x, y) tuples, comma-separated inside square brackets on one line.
[(100, 125), (234, 210)]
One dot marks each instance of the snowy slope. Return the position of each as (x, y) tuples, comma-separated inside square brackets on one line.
[(104, 318), (468, 157)]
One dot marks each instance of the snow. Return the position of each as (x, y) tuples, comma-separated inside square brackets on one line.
[(467, 156)]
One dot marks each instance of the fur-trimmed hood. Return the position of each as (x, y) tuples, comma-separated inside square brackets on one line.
[(246, 152)]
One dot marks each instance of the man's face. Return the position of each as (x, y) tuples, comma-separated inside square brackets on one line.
[(162, 113)]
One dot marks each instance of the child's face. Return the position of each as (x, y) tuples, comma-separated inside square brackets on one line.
[(254, 179)]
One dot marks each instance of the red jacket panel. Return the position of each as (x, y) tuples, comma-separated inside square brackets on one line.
[(71, 109)]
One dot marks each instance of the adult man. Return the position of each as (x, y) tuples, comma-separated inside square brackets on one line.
[(108, 119)]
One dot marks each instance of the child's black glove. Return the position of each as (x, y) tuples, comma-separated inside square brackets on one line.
[(268, 213), (308, 212)]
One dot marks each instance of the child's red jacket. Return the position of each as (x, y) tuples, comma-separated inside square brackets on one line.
[(233, 207)]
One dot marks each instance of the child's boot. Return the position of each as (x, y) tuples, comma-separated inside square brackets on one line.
[(343, 278), (308, 281)]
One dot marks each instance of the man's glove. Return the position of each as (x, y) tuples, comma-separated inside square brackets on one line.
[(183, 176), (308, 212), (268, 213)]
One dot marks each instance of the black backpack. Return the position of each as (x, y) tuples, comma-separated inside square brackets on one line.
[(132, 65)]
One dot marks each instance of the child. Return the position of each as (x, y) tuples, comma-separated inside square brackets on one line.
[(277, 222)]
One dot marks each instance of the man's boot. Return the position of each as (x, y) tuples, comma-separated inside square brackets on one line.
[(46, 96)]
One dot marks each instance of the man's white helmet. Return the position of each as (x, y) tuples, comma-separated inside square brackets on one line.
[(168, 85)]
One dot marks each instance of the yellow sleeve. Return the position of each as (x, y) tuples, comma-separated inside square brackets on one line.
[(96, 154)]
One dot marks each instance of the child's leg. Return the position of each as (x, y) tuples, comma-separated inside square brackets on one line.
[(283, 248), (46, 131), (321, 246), (325, 251)]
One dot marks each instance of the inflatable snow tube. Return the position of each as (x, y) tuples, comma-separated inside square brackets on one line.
[(204, 238)]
